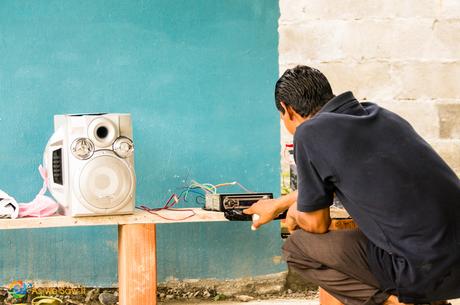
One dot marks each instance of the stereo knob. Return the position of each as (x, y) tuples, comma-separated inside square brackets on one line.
[(231, 203)]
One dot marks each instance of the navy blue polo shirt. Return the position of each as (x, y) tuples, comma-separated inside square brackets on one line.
[(399, 191)]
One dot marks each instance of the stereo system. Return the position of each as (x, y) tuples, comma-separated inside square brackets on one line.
[(90, 164), (233, 204)]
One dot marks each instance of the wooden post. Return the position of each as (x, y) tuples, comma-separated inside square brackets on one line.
[(137, 274)]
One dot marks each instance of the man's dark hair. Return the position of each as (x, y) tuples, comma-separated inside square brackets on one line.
[(303, 88)]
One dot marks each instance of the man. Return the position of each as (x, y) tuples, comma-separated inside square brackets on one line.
[(404, 198)]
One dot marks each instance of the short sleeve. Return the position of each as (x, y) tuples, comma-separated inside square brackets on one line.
[(314, 193)]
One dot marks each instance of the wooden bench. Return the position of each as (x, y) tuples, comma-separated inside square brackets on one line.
[(137, 278)]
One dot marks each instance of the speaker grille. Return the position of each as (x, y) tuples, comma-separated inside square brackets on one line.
[(106, 182)]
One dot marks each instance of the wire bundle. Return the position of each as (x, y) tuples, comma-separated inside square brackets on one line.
[(212, 189), (172, 201), (201, 189)]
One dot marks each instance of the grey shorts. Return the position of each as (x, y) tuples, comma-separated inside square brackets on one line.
[(337, 262)]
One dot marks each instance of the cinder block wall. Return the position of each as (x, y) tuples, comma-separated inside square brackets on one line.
[(402, 54)]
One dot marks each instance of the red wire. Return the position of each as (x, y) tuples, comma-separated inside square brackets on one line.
[(167, 218), (172, 201)]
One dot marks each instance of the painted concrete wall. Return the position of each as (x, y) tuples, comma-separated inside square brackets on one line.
[(403, 54), (197, 77)]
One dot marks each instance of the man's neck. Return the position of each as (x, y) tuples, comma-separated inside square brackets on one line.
[(298, 119)]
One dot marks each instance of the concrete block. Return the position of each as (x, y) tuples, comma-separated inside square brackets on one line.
[(313, 40), (389, 39), (403, 39), (449, 151), (446, 38), (427, 80), (422, 115), (449, 120), (368, 81), (299, 10), (382, 39), (450, 9)]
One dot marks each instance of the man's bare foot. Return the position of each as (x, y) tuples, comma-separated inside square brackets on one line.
[(393, 300), (326, 299)]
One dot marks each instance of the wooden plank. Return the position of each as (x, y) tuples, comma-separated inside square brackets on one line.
[(342, 224), (139, 217), (137, 278)]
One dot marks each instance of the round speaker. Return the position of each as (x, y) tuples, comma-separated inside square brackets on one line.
[(102, 131), (105, 183)]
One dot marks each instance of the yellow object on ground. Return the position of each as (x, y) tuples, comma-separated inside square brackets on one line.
[(42, 300)]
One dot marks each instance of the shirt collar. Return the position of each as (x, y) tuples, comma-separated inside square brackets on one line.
[(340, 103)]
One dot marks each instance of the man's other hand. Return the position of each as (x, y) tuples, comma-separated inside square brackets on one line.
[(267, 209)]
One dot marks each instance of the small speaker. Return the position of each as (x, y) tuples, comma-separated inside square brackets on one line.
[(90, 161)]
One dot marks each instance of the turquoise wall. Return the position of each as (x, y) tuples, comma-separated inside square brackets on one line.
[(197, 77)]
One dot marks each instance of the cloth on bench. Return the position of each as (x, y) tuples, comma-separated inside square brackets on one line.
[(41, 206), (9, 208)]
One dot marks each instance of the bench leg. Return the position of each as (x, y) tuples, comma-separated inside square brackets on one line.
[(137, 274)]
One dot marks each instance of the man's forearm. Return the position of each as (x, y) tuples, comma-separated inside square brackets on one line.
[(286, 201), (314, 222)]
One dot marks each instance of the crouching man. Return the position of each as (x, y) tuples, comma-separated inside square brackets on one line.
[(404, 198)]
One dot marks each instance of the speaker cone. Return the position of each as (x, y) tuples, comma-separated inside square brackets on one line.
[(105, 183)]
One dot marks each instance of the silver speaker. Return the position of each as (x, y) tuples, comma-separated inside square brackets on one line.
[(90, 164)]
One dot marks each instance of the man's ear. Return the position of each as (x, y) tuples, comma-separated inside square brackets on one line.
[(287, 110)]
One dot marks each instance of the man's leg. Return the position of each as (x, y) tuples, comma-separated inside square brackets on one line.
[(337, 262)]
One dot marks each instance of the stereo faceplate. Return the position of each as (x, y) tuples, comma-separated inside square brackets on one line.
[(233, 204)]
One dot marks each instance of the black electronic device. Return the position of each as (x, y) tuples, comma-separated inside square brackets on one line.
[(233, 204)]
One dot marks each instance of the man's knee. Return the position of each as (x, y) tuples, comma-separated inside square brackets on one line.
[(295, 253), (291, 245), (303, 244), (329, 249)]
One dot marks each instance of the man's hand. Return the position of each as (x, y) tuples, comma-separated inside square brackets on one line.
[(291, 218), (314, 222), (267, 209)]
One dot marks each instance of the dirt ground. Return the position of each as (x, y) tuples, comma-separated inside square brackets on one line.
[(257, 302), (268, 302)]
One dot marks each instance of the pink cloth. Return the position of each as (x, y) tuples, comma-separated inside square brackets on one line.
[(42, 205)]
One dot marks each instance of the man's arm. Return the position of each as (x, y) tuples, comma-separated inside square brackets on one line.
[(286, 201), (314, 222)]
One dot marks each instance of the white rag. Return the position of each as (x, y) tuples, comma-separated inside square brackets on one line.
[(9, 208), (41, 206)]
